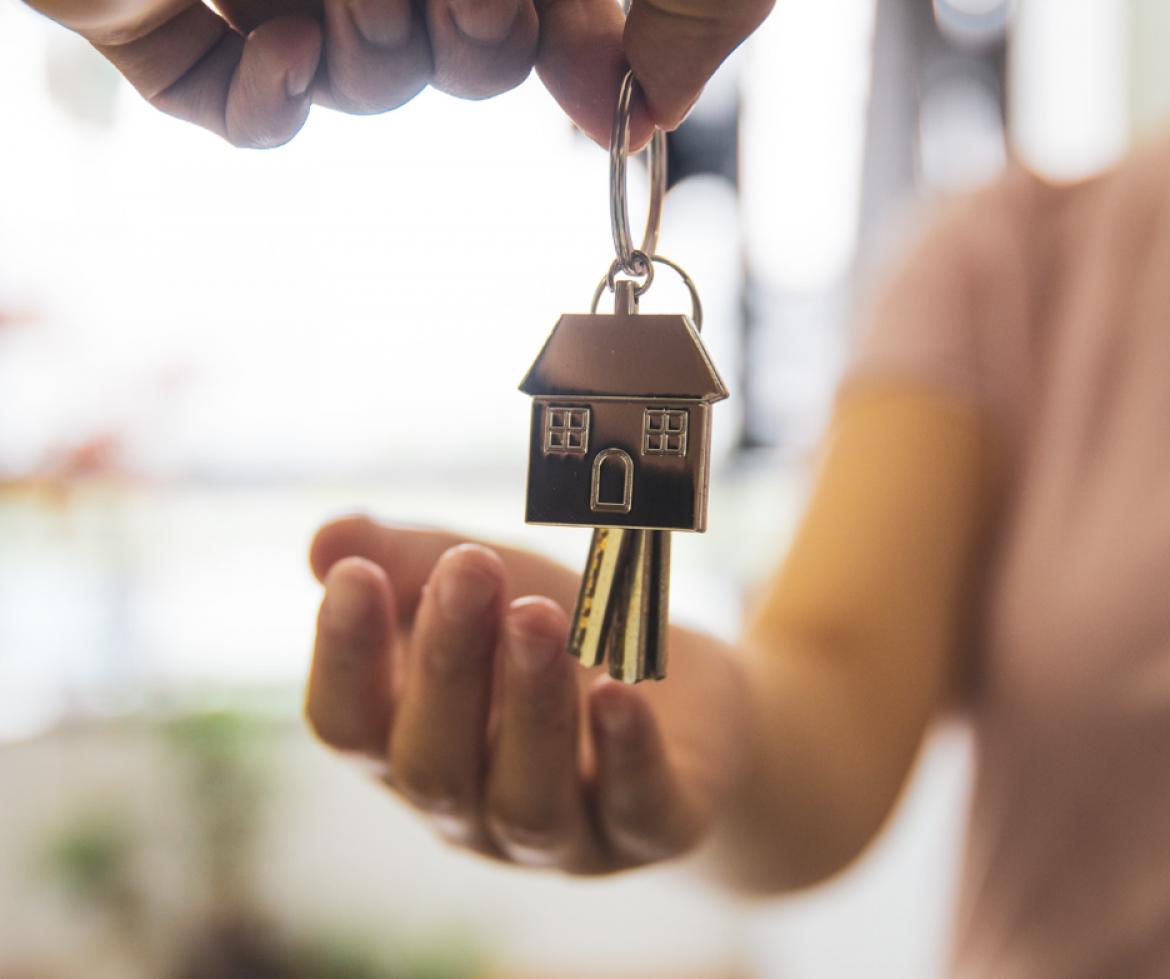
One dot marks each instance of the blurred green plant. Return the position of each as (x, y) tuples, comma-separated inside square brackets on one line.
[(227, 764), (454, 955), (227, 760), (92, 859)]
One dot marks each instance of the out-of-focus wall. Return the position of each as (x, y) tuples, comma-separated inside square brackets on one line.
[(1149, 54)]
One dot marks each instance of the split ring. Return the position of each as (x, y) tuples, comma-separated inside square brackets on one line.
[(619, 157)]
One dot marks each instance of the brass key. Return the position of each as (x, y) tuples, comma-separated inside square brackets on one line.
[(637, 642), (622, 607), (600, 585)]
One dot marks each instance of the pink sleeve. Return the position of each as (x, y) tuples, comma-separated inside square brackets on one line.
[(952, 314)]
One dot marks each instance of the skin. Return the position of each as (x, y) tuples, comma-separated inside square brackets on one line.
[(441, 663), (252, 74)]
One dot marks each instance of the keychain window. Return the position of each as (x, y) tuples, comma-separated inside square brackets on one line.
[(664, 432), (566, 430)]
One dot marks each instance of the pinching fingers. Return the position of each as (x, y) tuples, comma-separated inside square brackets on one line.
[(270, 96), (482, 47), (377, 54)]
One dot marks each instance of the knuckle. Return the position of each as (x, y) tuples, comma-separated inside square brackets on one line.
[(484, 84), (360, 95), (485, 71)]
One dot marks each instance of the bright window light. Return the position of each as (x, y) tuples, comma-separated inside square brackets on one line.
[(806, 81), (1068, 75)]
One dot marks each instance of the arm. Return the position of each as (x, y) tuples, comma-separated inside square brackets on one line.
[(858, 644)]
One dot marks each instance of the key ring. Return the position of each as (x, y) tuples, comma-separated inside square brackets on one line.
[(628, 257), (608, 282)]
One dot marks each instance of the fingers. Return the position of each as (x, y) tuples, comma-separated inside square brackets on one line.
[(437, 745), (481, 47), (533, 800), (194, 66), (484, 735), (675, 46), (642, 809), (377, 54), (246, 15), (408, 555), (581, 62), (350, 694), (269, 95)]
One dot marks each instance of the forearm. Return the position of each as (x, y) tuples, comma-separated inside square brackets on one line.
[(857, 645), (828, 754)]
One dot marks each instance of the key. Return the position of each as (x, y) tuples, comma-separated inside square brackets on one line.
[(593, 615), (622, 607), (638, 633)]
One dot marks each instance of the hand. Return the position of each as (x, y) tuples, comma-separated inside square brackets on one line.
[(463, 697), (251, 74)]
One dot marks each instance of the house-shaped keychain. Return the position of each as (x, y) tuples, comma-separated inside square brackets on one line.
[(621, 423)]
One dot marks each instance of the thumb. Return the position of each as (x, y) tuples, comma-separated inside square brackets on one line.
[(581, 62), (675, 46)]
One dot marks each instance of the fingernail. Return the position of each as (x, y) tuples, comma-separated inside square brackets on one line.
[(299, 78), (464, 592), (346, 603), (530, 651), (615, 715), (487, 21), (385, 23)]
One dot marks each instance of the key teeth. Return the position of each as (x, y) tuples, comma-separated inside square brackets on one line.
[(626, 580), (594, 612)]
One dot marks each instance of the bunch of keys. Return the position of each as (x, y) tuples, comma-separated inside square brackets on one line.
[(621, 436)]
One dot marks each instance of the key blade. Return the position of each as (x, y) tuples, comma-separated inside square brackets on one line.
[(637, 649), (658, 602), (594, 612)]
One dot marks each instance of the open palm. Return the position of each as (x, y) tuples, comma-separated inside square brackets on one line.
[(435, 660)]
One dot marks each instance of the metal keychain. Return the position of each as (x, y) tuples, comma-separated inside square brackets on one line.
[(621, 434)]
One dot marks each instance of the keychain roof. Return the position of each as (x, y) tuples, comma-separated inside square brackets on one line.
[(660, 357)]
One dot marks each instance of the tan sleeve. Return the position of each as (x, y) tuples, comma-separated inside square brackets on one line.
[(885, 558), (862, 634)]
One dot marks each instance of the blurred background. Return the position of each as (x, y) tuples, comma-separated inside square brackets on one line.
[(205, 353)]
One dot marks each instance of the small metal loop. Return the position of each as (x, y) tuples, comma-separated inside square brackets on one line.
[(696, 302), (619, 155), (608, 281), (644, 265)]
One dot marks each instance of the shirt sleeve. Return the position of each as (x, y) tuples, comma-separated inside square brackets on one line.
[(952, 315)]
